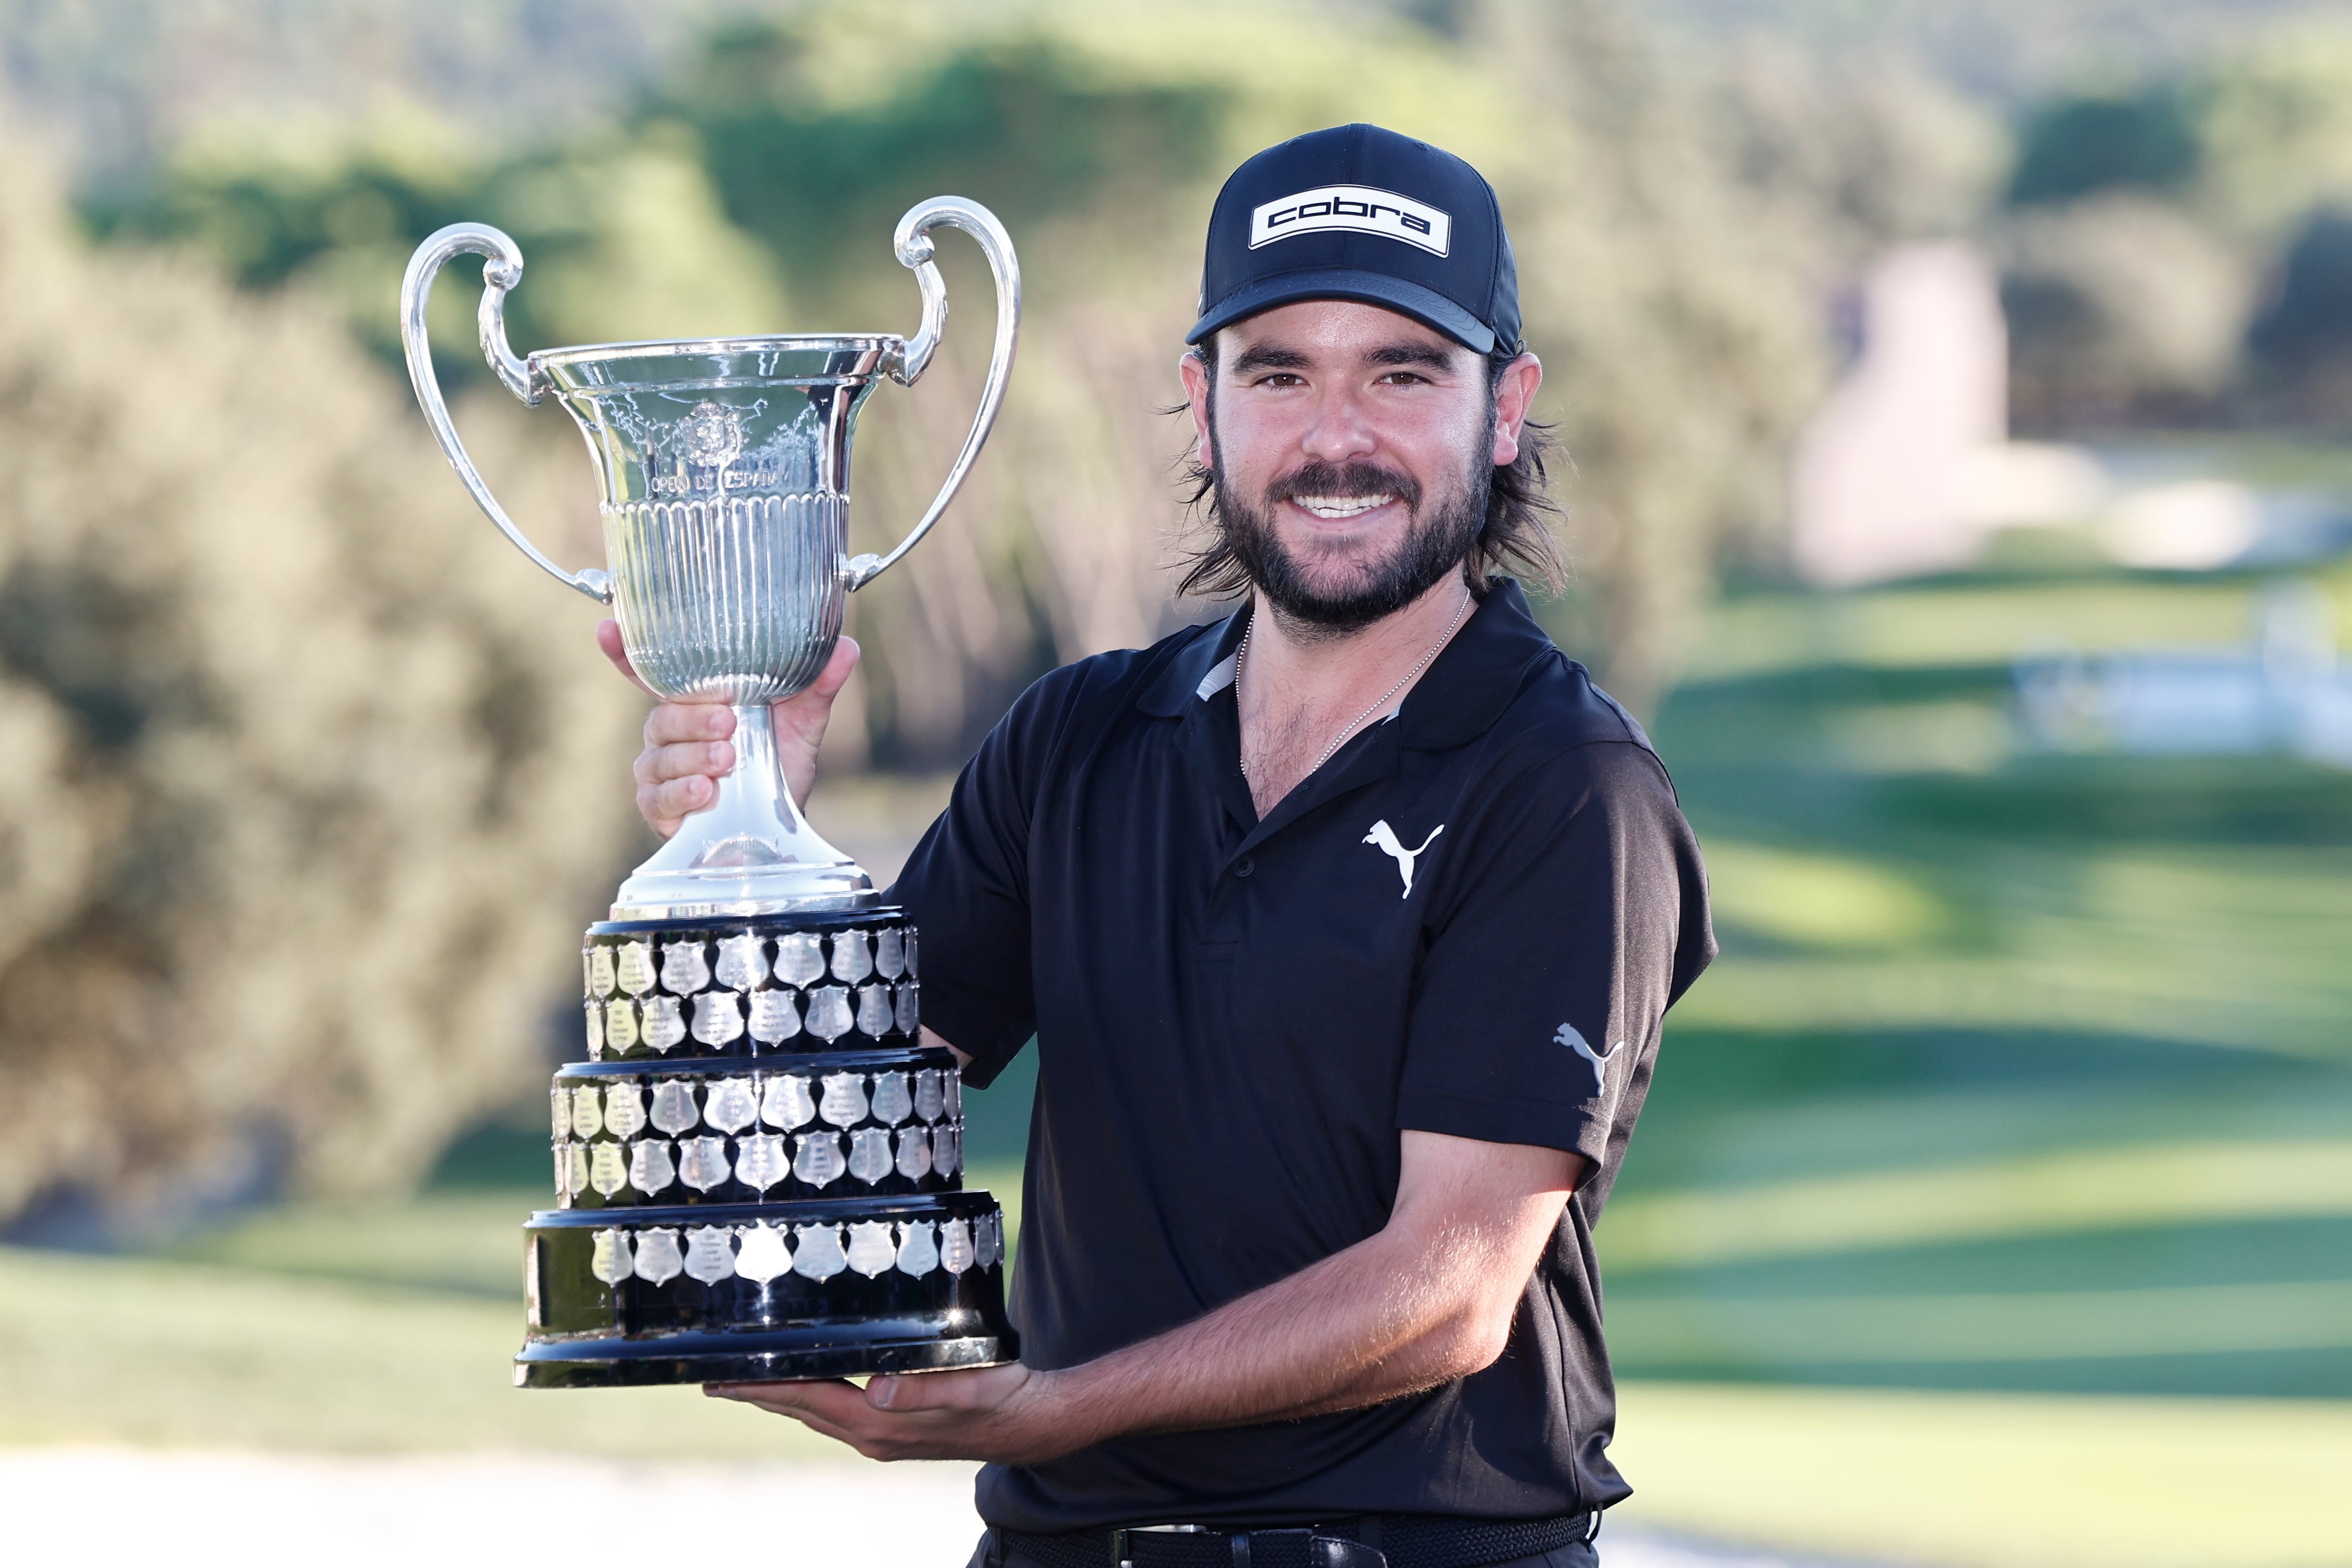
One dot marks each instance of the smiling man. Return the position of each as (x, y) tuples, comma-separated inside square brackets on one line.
[(1344, 927)]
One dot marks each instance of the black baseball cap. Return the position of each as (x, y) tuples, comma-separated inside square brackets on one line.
[(1360, 213)]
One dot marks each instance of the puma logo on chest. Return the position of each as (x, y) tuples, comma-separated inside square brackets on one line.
[(1385, 839)]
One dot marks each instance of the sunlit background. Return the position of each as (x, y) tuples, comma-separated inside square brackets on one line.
[(1958, 397)]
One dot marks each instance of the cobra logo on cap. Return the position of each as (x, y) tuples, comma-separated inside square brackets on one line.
[(1358, 207)]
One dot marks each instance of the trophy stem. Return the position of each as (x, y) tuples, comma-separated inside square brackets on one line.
[(751, 852), (758, 779)]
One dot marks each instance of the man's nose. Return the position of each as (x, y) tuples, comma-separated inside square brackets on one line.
[(1340, 431)]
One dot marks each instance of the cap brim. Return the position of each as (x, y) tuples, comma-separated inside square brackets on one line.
[(1424, 305)]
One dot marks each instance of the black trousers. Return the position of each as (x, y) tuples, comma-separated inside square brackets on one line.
[(1576, 1554)]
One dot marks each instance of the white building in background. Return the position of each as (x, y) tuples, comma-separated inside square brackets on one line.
[(1907, 468), (1909, 465), (1878, 467)]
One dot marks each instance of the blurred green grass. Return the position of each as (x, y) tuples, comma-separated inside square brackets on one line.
[(345, 1327), (182, 1354), (2020, 1070), (269, 1353), (1991, 1480)]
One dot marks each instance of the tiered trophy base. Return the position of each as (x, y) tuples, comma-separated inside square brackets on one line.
[(760, 1167)]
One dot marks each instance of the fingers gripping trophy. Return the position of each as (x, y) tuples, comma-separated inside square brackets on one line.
[(758, 1167)]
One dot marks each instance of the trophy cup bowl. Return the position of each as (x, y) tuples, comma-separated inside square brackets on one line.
[(723, 469), (759, 1167)]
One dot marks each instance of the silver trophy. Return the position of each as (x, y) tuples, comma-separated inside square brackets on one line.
[(723, 468)]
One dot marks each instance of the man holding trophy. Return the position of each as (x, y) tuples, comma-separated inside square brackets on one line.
[(1343, 926)]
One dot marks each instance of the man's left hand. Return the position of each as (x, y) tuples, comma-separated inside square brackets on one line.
[(1007, 1415)]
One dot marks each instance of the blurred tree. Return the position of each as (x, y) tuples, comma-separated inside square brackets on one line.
[(1019, 114), (2120, 309), (2302, 340), (2081, 144), (119, 84), (264, 199), (1101, 135), (1673, 306), (2140, 216), (2275, 129), (622, 235), (2003, 52), (312, 783), (2277, 126), (1873, 155)]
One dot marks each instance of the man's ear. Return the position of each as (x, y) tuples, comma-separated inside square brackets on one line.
[(1515, 394), (1196, 396)]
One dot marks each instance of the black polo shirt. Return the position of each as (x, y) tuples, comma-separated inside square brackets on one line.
[(1468, 922)]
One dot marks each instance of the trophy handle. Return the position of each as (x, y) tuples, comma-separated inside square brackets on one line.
[(907, 363), (501, 270)]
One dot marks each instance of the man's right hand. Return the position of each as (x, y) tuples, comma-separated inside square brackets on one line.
[(687, 750)]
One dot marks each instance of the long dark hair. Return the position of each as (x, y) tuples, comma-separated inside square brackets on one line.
[(1516, 539)]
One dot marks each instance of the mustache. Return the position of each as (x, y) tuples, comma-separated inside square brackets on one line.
[(1340, 481)]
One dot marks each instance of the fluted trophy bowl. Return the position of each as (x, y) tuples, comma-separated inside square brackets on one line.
[(722, 466)]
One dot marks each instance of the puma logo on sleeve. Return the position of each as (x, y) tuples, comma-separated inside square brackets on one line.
[(1385, 836), (1576, 1042)]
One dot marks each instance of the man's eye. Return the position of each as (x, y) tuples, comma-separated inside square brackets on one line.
[(1402, 378), (1279, 378)]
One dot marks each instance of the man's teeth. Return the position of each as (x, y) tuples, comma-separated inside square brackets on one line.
[(1341, 506)]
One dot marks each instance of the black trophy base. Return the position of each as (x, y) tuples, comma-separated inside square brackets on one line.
[(749, 1358), (760, 1167), (726, 1292)]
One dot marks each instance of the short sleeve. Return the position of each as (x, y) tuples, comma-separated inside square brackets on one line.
[(1576, 918), (967, 887)]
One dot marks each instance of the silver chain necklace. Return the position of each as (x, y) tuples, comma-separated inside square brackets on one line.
[(1241, 656)]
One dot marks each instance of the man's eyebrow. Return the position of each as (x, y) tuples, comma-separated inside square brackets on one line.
[(1426, 354), (1267, 357), (1273, 356)]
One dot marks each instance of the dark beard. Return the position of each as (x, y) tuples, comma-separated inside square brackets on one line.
[(1434, 546)]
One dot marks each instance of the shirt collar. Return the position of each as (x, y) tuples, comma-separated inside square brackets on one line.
[(1456, 699), (1187, 675), (1461, 694)]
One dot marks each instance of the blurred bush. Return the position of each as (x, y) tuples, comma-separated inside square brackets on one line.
[(310, 789)]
